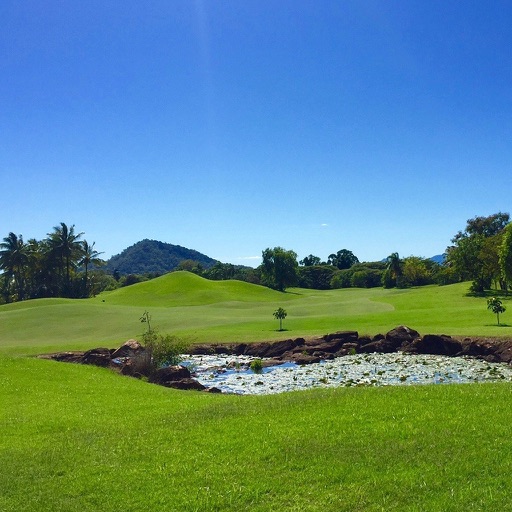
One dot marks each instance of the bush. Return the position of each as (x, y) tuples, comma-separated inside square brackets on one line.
[(159, 349), (257, 366), (369, 278), (342, 279)]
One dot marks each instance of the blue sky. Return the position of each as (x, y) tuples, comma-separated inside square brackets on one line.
[(232, 126)]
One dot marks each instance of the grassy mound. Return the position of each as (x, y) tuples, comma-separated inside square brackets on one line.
[(187, 289), (211, 311)]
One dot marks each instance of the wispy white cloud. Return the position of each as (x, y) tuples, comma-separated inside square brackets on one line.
[(324, 225)]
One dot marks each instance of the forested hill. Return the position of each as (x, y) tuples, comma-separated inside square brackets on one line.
[(153, 256)]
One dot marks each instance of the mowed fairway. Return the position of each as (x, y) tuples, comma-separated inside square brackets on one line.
[(230, 311), (81, 438)]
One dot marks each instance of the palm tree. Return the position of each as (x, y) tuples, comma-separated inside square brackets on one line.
[(90, 256), (13, 261), (66, 247), (395, 266)]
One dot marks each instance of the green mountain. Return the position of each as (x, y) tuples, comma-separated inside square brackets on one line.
[(153, 256)]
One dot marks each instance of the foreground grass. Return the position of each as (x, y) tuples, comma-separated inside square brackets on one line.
[(78, 438), (206, 311)]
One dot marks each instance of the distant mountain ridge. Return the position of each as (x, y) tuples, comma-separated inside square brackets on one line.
[(153, 256), (439, 258)]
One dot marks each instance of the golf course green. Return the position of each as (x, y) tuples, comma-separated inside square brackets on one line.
[(82, 438)]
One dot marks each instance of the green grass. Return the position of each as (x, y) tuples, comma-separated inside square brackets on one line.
[(229, 311), (80, 438)]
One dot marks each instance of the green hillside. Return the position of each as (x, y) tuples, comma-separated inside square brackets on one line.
[(231, 311), (187, 289)]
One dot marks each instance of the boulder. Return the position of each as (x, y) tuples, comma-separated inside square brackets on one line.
[(66, 357), (169, 374), (435, 344), (129, 348), (380, 346), (278, 348), (257, 349), (301, 359), (185, 384), (97, 357), (401, 336), (342, 336)]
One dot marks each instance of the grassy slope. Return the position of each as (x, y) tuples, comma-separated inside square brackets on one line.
[(81, 438), (203, 310), (78, 438)]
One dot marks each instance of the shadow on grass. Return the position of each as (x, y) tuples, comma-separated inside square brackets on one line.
[(501, 294)]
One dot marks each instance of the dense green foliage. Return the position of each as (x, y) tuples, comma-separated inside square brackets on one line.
[(476, 252), (57, 266), (151, 256), (279, 268)]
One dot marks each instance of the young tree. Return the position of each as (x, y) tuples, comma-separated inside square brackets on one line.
[(280, 314), (496, 306), (279, 268)]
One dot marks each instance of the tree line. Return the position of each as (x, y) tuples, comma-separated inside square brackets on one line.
[(481, 253), (57, 266), (64, 264)]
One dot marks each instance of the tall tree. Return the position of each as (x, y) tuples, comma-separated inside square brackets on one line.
[(343, 259), (310, 261), (66, 246), (90, 256), (505, 257), (13, 261), (279, 268), (394, 268), (474, 253)]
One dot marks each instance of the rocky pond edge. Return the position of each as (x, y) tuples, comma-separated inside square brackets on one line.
[(301, 351)]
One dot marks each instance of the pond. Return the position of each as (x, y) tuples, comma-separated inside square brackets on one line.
[(231, 374)]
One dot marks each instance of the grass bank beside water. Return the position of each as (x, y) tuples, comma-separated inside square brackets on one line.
[(81, 438), (78, 438)]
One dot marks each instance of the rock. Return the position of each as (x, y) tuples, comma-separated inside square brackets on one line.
[(401, 335), (129, 348), (65, 357), (257, 349), (278, 348), (504, 351), (343, 336), (364, 340), (97, 357), (202, 350), (169, 374), (213, 390), (305, 358), (381, 346), (435, 344), (185, 384)]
